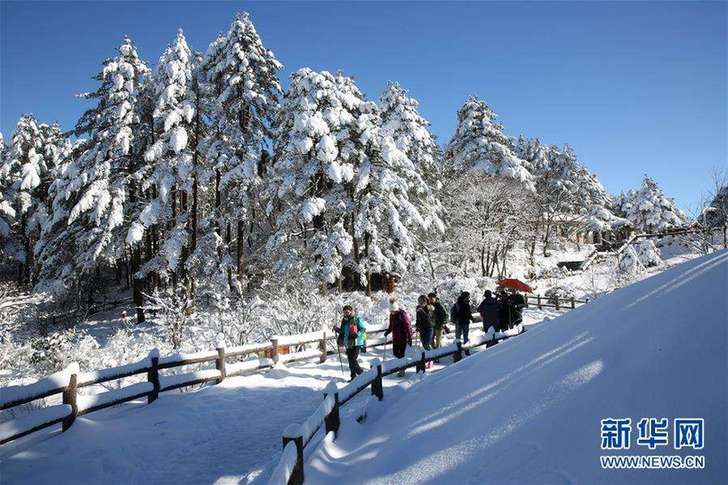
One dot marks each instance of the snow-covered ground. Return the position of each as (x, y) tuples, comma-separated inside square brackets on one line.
[(227, 433), (529, 409)]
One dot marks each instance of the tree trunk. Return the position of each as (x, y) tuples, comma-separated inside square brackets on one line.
[(239, 245), (137, 283)]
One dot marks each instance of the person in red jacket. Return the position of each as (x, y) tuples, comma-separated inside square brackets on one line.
[(400, 326)]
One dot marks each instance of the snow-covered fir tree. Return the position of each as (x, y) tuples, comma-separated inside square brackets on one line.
[(716, 214), (312, 179), (566, 191), (479, 146), (649, 209), (89, 210), (166, 173), (8, 241), (241, 101), (419, 163), (349, 199), (33, 162)]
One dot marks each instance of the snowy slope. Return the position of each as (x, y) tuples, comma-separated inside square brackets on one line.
[(529, 409)]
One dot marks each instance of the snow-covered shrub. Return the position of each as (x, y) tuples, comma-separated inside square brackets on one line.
[(172, 310), (562, 292), (639, 256), (648, 253), (449, 290)]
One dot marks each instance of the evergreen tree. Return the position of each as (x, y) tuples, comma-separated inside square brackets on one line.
[(316, 153), (9, 247), (241, 101), (168, 161), (479, 146), (648, 209), (90, 202)]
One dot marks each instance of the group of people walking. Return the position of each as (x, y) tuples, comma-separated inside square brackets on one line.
[(502, 311)]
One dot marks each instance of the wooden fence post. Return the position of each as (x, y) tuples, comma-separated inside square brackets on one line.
[(557, 302), (322, 347), (297, 474), (332, 420), (274, 342), (377, 387), (153, 377), (220, 363), (539, 301), (459, 353), (69, 397), (572, 303)]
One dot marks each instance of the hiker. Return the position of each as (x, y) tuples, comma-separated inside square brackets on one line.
[(503, 309), (425, 321), (489, 311), (352, 336), (401, 329), (440, 320), (516, 304), (462, 315)]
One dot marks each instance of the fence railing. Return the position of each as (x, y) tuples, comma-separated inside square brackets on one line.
[(297, 436), (227, 363)]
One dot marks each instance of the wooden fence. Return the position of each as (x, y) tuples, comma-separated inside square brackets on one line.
[(297, 436), (227, 363)]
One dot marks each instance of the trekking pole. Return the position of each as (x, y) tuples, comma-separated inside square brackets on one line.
[(341, 364), (338, 351)]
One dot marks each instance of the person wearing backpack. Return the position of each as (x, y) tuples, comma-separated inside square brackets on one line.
[(400, 327), (463, 315), (489, 311), (352, 336), (516, 303), (441, 318)]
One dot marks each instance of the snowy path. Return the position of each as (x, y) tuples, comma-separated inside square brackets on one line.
[(228, 433)]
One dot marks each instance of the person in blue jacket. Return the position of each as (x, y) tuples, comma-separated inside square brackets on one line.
[(353, 337)]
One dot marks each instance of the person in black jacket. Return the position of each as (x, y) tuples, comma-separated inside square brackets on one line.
[(425, 321), (503, 310), (463, 316), (516, 304), (489, 311)]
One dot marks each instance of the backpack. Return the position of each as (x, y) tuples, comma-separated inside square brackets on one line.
[(454, 312)]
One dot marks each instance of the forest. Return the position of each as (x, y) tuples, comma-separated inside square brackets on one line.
[(213, 203)]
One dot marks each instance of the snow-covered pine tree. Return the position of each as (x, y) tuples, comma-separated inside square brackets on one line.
[(340, 186), (90, 201), (242, 99), (311, 183), (648, 209), (479, 146), (34, 160), (21, 175), (566, 191), (394, 204), (421, 166), (402, 121), (8, 239), (488, 189), (166, 173)]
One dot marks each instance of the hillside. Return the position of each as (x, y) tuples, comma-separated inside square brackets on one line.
[(529, 410)]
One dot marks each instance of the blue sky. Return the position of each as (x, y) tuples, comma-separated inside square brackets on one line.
[(634, 87)]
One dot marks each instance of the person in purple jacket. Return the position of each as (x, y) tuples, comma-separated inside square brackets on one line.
[(400, 326)]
